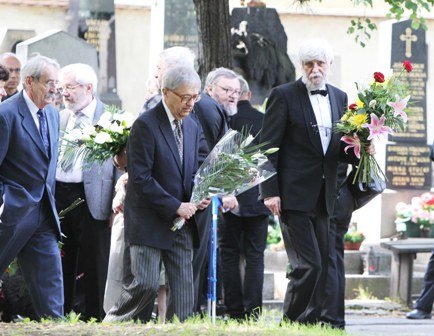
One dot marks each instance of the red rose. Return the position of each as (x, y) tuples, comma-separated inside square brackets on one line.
[(407, 65), (379, 77), (353, 107)]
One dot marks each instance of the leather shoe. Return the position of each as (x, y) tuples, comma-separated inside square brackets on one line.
[(417, 314)]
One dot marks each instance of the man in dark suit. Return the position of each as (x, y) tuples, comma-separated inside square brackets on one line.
[(299, 121), (162, 157), (29, 225), (243, 231), (87, 242)]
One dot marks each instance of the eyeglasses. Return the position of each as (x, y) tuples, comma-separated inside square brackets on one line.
[(67, 88), (17, 70), (187, 98), (230, 91), (52, 84)]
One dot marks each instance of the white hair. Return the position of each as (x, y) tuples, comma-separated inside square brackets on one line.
[(83, 74), (177, 56), (315, 49)]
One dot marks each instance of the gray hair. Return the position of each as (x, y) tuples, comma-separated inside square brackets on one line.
[(35, 65), (244, 86), (177, 56), (216, 74), (315, 49), (179, 76), (7, 55), (84, 74)]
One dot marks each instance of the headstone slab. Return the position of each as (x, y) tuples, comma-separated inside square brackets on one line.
[(63, 47), (9, 38), (409, 44)]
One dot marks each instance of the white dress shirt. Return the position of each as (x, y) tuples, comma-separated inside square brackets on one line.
[(321, 108), (75, 175), (32, 108)]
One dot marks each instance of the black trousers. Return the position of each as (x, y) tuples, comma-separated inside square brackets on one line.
[(245, 236), (334, 303), (426, 299), (305, 235), (85, 253)]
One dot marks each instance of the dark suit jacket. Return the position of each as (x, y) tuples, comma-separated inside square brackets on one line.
[(26, 172), (156, 184), (212, 119), (289, 124), (249, 119)]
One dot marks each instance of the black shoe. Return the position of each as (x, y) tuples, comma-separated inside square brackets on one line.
[(417, 314)]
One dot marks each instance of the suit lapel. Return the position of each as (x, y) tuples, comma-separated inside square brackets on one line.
[(29, 125), (99, 110), (166, 130), (309, 117), (335, 116)]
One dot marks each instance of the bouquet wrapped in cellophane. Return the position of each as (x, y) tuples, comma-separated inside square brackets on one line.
[(380, 109), (96, 143), (232, 167)]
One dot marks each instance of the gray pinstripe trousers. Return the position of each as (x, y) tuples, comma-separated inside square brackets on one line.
[(141, 274)]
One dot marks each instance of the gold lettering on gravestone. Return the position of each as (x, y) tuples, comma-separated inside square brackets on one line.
[(408, 166), (408, 38), (92, 35)]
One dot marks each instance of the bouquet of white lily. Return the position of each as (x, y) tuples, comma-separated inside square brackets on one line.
[(232, 167), (97, 143)]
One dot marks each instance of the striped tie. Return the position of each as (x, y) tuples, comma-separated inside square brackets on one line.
[(44, 131), (179, 138)]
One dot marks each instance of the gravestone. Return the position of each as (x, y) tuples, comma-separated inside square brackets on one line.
[(63, 47), (9, 38), (180, 26), (96, 25), (408, 166), (259, 49)]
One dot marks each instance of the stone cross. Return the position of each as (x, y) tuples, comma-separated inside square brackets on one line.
[(408, 38)]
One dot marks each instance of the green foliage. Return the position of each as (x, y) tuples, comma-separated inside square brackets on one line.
[(354, 237), (274, 235), (362, 27), (364, 294)]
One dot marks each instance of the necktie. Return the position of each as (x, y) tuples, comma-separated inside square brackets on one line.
[(43, 130), (179, 138), (321, 92), (79, 119)]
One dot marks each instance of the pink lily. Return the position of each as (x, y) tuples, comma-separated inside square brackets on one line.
[(376, 127), (399, 106), (353, 142)]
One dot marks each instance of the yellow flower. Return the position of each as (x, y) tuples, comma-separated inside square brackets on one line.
[(346, 116), (358, 120), (359, 103)]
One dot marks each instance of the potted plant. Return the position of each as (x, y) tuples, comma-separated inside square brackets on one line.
[(418, 217), (353, 240)]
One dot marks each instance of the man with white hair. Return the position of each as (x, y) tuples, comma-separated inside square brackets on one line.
[(299, 121), (87, 242)]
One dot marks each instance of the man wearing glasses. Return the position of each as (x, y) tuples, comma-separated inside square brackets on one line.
[(29, 225), (87, 243), (162, 158), (13, 64)]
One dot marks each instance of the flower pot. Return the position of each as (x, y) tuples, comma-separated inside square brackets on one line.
[(425, 233), (352, 246)]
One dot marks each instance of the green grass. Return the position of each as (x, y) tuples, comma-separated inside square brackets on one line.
[(268, 324)]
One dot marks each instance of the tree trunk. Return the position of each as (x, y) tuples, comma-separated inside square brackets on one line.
[(213, 27)]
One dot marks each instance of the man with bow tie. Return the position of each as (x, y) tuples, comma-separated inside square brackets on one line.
[(299, 121)]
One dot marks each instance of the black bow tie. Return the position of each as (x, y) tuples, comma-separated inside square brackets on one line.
[(321, 92)]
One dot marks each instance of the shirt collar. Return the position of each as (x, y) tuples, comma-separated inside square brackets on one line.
[(30, 104), (169, 115), (89, 110)]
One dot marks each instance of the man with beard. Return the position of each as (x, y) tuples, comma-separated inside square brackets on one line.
[(87, 242), (299, 121), (29, 225), (11, 62), (223, 86)]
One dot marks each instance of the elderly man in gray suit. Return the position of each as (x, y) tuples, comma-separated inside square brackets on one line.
[(87, 242)]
